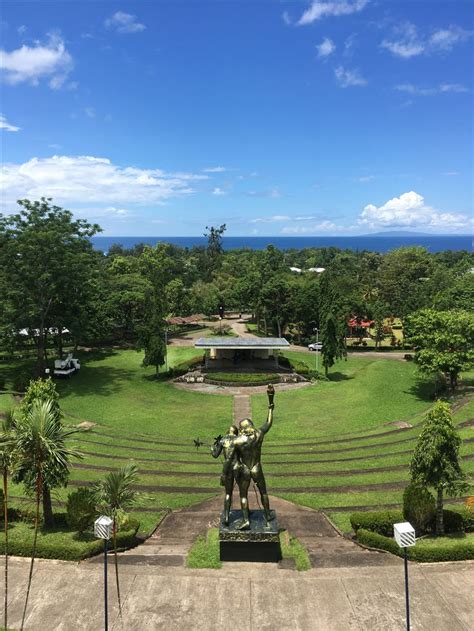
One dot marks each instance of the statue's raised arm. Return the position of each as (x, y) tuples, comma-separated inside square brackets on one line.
[(271, 405)]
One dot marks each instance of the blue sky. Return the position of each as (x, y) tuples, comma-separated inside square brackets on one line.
[(311, 118)]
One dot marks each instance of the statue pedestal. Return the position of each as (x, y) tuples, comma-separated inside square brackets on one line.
[(260, 543)]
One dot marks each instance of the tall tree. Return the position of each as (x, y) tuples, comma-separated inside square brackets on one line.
[(435, 461), (443, 342), (214, 248), (46, 260), (40, 444), (332, 323), (157, 267)]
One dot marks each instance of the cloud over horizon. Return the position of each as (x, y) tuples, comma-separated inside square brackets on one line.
[(85, 179)]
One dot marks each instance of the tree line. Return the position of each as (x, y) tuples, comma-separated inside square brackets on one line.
[(51, 280)]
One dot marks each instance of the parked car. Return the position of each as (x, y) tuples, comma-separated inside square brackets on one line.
[(315, 346)]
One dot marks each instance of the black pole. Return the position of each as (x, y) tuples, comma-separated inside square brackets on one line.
[(105, 588), (407, 596)]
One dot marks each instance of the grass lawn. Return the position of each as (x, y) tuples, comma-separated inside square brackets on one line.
[(333, 444)]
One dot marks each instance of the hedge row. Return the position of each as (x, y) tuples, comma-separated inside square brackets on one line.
[(381, 522), (460, 550), (125, 539)]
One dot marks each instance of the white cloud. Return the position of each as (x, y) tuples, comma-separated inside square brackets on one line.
[(446, 39), (85, 179), (451, 173), (348, 78), (21, 30), (4, 124), (273, 193), (285, 16), (272, 219), (408, 43), (452, 87), (124, 23), (218, 191), (89, 112), (320, 9), (116, 212), (282, 218), (416, 90), (326, 47), (214, 170), (366, 178), (410, 211), (322, 226), (42, 61)]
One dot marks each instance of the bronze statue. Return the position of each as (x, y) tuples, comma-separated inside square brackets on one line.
[(226, 445), (242, 462)]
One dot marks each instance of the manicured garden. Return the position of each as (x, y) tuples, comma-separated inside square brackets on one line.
[(336, 445)]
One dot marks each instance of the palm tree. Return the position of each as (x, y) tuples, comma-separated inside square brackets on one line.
[(114, 495), (6, 456), (42, 454)]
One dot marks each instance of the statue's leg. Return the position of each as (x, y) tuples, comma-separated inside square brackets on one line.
[(229, 487), (244, 483), (259, 480)]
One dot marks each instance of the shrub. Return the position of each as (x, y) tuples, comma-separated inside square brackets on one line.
[(419, 507), (189, 364), (21, 381), (298, 366), (458, 520), (427, 552), (80, 509), (380, 522), (2, 382)]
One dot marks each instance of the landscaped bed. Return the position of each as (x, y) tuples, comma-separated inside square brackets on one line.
[(249, 379), (205, 551), (375, 530), (61, 542)]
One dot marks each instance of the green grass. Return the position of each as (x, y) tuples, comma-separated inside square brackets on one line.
[(292, 548), (205, 551), (153, 423), (362, 394)]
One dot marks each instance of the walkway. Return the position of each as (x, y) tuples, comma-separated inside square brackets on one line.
[(170, 543), (348, 588)]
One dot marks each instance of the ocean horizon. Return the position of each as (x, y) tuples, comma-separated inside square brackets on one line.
[(374, 243)]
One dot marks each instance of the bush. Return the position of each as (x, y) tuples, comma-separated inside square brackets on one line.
[(431, 550), (80, 509), (183, 367), (299, 367), (21, 381), (3, 382), (380, 522), (242, 377), (419, 507), (458, 520)]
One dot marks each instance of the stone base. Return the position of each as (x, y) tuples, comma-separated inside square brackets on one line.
[(260, 543)]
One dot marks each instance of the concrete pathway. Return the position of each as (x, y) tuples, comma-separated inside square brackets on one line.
[(69, 597), (242, 407), (348, 588), (170, 543)]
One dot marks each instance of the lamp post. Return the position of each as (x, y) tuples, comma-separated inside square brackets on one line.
[(317, 348), (405, 537), (103, 530)]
